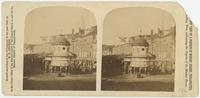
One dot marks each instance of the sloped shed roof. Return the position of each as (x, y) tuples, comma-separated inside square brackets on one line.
[(60, 41), (139, 42)]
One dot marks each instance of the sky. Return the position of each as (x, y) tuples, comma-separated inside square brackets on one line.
[(49, 21), (125, 22)]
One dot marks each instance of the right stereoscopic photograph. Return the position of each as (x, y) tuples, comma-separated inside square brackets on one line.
[(138, 52)]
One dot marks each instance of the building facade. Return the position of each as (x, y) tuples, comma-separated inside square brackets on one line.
[(163, 47)]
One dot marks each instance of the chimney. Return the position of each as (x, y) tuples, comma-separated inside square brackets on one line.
[(72, 31), (159, 31), (151, 32), (81, 31)]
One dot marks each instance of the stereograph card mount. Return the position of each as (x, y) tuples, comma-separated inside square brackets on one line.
[(98, 49)]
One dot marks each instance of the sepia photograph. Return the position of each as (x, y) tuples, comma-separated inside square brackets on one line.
[(60, 49), (138, 51), (117, 49)]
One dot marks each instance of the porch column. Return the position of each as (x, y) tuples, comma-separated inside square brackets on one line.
[(145, 70), (140, 69), (133, 70), (124, 69), (60, 68), (129, 69), (45, 66), (52, 69)]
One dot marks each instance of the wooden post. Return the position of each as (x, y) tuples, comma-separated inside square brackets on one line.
[(45, 66), (50, 69), (60, 68), (53, 69), (139, 69), (124, 69), (145, 70)]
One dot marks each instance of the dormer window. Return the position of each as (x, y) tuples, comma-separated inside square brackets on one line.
[(63, 48), (142, 49)]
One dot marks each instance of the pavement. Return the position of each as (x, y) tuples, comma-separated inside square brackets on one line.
[(131, 83), (55, 77), (51, 81), (133, 78)]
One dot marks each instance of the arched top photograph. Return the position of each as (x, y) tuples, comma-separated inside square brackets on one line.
[(55, 47), (138, 47)]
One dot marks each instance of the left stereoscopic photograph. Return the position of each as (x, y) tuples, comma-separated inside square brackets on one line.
[(60, 49)]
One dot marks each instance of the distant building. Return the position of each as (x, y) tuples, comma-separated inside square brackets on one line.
[(163, 47), (84, 44), (44, 48), (124, 49), (107, 49)]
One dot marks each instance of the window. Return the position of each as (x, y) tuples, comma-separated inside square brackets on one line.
[(63, 48), (142, 49)]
